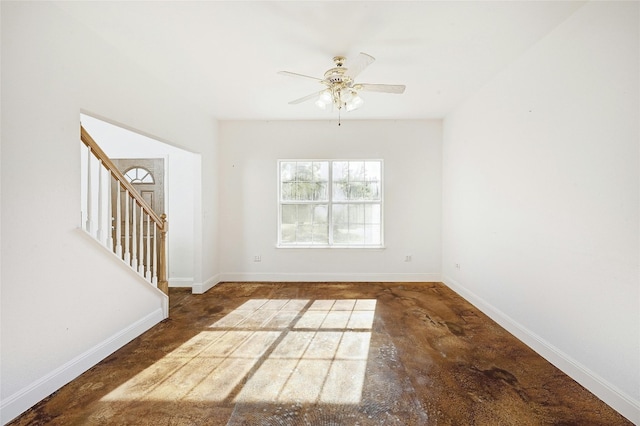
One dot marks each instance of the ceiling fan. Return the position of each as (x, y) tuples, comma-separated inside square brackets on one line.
[(341, 90)]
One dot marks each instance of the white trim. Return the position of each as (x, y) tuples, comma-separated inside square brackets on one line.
[(25, 398), (330, 277), (620, 401), (181, 282), (330, 247), (200, 288), (165, 307)]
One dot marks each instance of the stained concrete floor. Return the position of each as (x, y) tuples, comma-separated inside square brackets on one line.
[(323, 354)]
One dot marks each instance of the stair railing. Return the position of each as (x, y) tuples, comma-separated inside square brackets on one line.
[(118, 217)]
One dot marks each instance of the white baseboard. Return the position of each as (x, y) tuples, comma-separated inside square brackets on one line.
[(330, 277), (610, 394), (181, 282), (200, 288), (19, 402)]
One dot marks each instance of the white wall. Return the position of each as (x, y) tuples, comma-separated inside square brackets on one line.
[(541, 200), (206, 225), (182, 186), (65, 303), (411, 151)]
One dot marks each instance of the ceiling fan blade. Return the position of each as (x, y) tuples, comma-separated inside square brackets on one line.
[(306, 98), (384, 88), (359, 64), (295, 74)]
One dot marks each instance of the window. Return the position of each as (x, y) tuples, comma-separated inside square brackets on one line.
[(139, 175), (330, 203)]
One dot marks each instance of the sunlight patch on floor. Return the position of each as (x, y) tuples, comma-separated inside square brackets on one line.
[(267, 350), (317, 366)]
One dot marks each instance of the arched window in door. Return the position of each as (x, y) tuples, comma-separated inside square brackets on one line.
[(139, 175)]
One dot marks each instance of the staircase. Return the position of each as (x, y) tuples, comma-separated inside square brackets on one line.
[(117, 216)]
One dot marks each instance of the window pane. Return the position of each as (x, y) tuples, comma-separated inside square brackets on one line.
[(356, 234), (348, 225), (373, 191), (339, 214), (288, 191), (288, 224), (304, 233), (340, 234), (304, 214), (289, 214), (356, 171), (356, 214), (304, 181), (372, 214), (288, 233), (356, 180), (357, 224), (320, 192), (340, 190), (139, 175), (304, 171), (358, 191), (287, 171), (304, 191), (321, 234), (373, 172), (320, 214), (321, 171), (372, 234), (309, 191), (304, 224), (340, 180), (340, 171), (373, 175), (340, 223)]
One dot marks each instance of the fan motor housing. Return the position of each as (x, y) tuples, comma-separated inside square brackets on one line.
[(336, 75)]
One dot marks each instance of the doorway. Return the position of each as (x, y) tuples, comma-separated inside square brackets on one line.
[(147, 177)]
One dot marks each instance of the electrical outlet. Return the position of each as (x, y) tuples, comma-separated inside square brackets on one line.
[(257, 258), (457, 265), (407, 258)]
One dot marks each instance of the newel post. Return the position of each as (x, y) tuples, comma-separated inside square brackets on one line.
[(163, 284)]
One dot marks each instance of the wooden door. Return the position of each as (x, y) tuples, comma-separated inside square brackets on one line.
[(147, 177)]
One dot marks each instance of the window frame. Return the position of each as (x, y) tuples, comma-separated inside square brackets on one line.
[(139, 181), (329, 203)]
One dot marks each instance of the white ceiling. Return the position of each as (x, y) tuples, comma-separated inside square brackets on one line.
[(225, 55)]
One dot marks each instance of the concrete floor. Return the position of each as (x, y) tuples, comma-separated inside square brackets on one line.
[(323, 354)]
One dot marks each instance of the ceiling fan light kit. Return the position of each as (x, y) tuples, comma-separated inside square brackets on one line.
[(341, 91)]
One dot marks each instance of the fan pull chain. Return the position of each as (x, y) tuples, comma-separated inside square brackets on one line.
[(339, 109)]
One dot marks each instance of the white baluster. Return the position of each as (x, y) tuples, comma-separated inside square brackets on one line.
[(110, 214), (118, 222), (141, 243), (134, 241), (88, 224), (100, 234), (148, 274), (127, 254), (154, 279)]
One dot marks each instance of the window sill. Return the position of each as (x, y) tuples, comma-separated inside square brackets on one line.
[(338, 247)]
